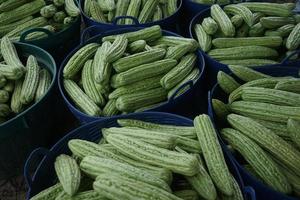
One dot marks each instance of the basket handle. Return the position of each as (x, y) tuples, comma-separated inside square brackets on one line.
[(250, 193), (135, 20), (86, 33), (189, 83), (35, 154), (25, 33), (25, 122), (287, 59), (209, 104)]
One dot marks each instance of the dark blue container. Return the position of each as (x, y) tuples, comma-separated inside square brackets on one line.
[(57, 44), (26, 131), (188, 104), (44, 175), (262, 191), (168, 23), (213, 66)]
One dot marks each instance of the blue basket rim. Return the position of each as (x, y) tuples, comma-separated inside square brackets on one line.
[(81, 3), (84, 126), (112, 32), (54, 76), (231, 2)]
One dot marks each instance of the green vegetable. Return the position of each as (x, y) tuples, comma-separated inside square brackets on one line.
[(68, 173), (212, 153), (31, 81)]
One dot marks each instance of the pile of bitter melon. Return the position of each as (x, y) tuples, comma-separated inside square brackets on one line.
[(211, 2), (143, 160), (20, 85), (264, 118), (144, 11), (130, 72), (249, 34), (17, 16)]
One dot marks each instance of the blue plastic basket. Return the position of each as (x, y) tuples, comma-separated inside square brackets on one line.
[(168, 23), (262, 191), (188, 104), (57, 44), (44, 175), (24, 132), (213, 66)]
